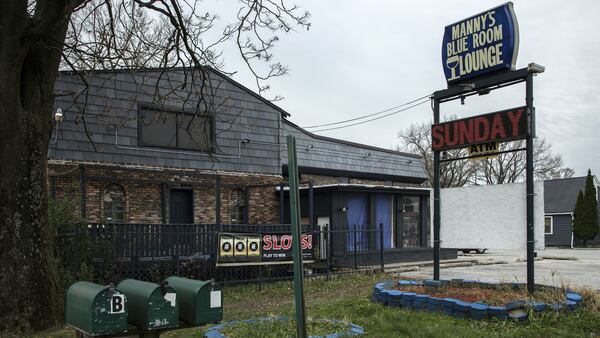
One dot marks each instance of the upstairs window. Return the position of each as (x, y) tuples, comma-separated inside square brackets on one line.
[(114, 203), (173, 129)]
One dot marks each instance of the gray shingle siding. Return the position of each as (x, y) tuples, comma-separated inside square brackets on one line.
[(561, 231), (111, 109), (318, 152), (112, 106)]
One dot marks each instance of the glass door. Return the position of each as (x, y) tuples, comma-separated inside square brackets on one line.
[(410, 221)]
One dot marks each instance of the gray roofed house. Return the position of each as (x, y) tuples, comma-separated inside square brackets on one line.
[(560, 196)]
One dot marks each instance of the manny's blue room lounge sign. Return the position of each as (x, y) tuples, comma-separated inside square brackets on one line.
[(481, 44)]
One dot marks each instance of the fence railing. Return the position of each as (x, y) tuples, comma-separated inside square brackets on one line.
[(154, 251)]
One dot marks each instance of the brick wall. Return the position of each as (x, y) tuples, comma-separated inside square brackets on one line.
[(144, 187), (143, 200)]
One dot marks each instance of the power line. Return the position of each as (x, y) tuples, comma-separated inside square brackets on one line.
[(373, 119), (365, 116)]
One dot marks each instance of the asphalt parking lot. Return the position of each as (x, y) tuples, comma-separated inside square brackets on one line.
[(558, 267)]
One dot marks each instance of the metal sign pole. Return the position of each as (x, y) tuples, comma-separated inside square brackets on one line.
[(529, 179), (436, 198), (296, 248)]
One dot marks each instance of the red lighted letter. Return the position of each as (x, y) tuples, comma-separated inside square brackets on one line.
[(514, 119), (437, 137), (497, 128), (276, 244), (306, 242), (267, 244), (466, 131), (286, 242), (482, 129), (454, 140)]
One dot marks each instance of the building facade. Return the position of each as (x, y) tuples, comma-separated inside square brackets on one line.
[(132, 148)]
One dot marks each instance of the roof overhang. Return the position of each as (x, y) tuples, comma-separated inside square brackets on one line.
[(361, 187), (355, 174)]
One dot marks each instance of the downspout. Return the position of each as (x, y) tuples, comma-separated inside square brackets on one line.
[(83, 202)]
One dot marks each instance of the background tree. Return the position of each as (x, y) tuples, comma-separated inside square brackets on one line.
[(505, 168), (578, 228), (416, 139), (510, 167), (585, 224), (39, 37)]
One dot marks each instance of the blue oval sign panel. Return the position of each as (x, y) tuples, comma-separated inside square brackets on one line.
[(482, 44)]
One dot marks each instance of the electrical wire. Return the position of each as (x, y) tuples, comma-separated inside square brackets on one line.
[(373, 119), (368, 115)]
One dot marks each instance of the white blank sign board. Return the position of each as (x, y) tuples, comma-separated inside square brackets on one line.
[(490, 216)]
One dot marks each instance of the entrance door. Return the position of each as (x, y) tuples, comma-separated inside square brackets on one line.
[(410, 219), (357, 220), (181, 206)]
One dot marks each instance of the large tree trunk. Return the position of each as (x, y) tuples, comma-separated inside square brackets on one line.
[(29, 61)]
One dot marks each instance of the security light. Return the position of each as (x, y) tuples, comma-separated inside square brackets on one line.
[(58, 115), (484, 91), (535, 68)]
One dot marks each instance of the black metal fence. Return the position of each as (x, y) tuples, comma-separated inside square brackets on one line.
[(154, 251)]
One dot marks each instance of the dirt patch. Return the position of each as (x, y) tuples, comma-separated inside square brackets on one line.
[(490, 296)]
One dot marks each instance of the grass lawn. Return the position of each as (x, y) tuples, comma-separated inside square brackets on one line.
[(347, 298)]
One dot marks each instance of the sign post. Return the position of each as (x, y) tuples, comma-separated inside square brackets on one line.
[(296, 249), (479, 55), (529, 179)]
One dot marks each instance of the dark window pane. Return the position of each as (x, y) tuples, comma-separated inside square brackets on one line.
[(236, 210), (114, 201), (158, 128), (194, 132)]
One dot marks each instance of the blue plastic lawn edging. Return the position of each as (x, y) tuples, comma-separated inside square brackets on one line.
[(390, 293), (354, 330)]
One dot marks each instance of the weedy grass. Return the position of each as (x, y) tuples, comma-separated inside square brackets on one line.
[(347, 298)]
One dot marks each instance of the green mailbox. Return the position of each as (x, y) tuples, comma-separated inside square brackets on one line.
[(96, 309), (201, 302), (151, 306)]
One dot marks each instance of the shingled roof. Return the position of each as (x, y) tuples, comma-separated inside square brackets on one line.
[(560, 195)]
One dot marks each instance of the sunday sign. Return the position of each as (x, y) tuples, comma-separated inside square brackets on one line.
[(500, 126), (481, 44)]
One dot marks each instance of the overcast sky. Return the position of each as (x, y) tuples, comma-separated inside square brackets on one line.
[(361, 57)]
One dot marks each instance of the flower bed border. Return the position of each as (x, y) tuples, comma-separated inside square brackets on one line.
[(516, 310), (355, 330)]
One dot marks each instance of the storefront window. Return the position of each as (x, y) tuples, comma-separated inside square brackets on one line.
[(411, 221)]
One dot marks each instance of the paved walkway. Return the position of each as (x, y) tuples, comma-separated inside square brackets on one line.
[(558, 267)]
